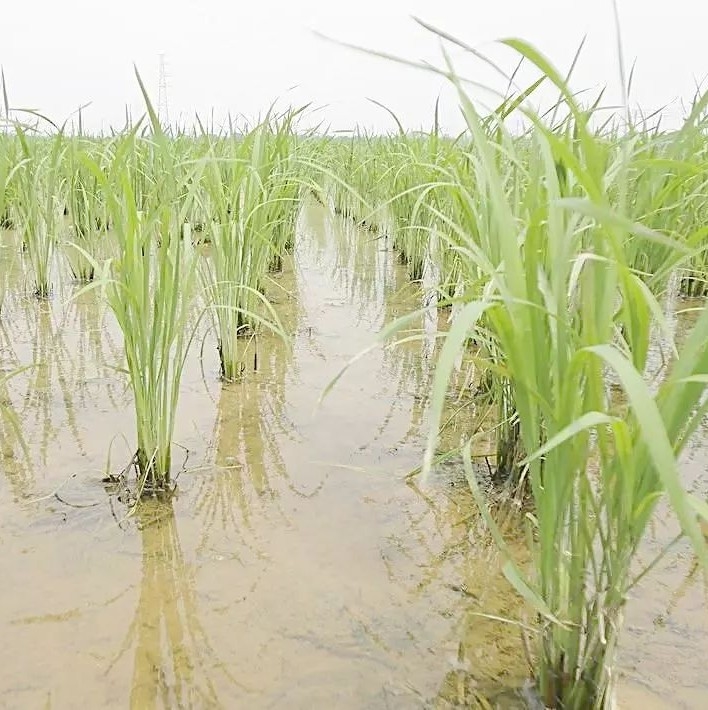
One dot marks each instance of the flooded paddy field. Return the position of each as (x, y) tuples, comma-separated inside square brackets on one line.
[(298, 565)]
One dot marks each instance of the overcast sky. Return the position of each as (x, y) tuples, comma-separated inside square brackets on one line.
[(239, 56)]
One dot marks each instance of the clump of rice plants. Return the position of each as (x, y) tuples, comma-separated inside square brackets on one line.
[(87, 212), (150, 287), (346, 170), (666, 188), (8, 166), (413, 160), (40, 187), (250, 186), (282, 188)]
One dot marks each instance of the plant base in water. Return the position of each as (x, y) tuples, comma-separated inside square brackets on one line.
[(694, 286), (232, 368), (142, 484), (276, 264), (510, 453), (153, 471), (415, 270)]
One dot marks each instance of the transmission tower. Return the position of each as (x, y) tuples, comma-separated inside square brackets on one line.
[(163, 111)]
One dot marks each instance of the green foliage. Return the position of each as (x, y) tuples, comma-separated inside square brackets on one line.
[(250, 199), (554, 244), (559, 243)]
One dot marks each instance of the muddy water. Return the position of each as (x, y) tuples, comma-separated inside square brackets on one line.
[(298, 567)]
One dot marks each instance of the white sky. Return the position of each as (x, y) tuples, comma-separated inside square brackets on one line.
[(231, 55)]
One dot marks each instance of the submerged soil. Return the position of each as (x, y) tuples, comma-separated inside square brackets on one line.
[(298, 566)]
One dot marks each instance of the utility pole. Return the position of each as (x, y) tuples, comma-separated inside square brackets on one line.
[(163, 111)]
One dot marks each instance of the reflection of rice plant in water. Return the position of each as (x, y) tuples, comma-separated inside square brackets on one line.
[(249, 427), (17, 464), (173, 659)]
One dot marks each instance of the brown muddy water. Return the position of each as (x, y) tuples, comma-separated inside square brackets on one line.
[(298, 566)]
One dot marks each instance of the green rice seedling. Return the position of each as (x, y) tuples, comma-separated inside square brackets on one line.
[(415, 160), (150, 287), (87, 212), (201, 211), (40, 187), (9, 163), (667, 192), (362, 187), (332, 173), (344, 162), (8, 167), (283, 186), (249, 190)]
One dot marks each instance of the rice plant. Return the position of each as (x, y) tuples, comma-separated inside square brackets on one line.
[(249, 185), (558, 289), (547, 243), (8, 166), (150, 287), (40, 186), (87, 212)]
